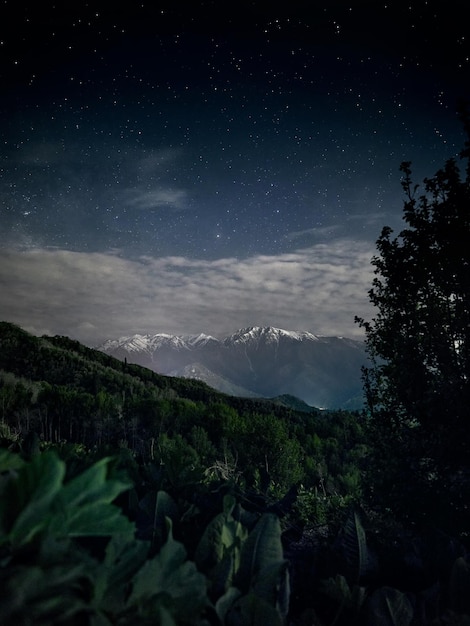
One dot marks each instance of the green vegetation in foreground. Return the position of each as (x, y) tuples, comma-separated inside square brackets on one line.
[(124, 492)]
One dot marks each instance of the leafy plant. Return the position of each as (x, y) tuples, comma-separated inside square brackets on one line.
[(249, 578), (35, 501), (355, 559), (53, 570), (388, 607), (153, 512), (219, 550), (345, 599)]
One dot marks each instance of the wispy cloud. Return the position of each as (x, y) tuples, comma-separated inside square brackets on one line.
[(317, 232), (94, 296), (162, 197)]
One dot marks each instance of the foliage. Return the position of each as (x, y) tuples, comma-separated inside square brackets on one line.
[(352, 547), (71, 395), (418, 390), (35, 501), (48, 576), (70, 555), (246, 570)]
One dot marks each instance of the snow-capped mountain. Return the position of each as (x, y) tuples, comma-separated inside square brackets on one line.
[(256, 361), (267, 334)]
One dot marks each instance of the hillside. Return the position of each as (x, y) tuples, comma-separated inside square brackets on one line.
[(273, 476), (62, 362)]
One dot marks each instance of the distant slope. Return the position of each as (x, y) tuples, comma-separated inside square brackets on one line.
[(197, 371)]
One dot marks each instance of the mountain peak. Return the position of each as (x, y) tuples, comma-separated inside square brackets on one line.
[(197, 341), (268, 334)]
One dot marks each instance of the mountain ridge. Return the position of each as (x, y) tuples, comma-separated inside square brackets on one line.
[(256, 361)]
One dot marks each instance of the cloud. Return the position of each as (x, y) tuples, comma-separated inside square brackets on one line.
[(156, 159), (317, 232), (163, 197), (95, 296)]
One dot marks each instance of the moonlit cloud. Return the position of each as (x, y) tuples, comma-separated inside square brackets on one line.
[(141, 199), (314, 233), (95, 296)]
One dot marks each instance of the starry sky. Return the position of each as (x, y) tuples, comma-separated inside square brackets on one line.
[(202, 167)]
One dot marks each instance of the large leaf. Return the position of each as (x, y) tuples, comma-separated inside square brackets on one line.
[(218, 553), (123, 558), (92, 520), (272, 584), (388, 607), (93, 485), (225, 602), (83, 506), (352, 546), (251, 610), (262, 549), (170, 581), (34, 499), (36, 595), (154, 508), (345, 598), (27, 496)]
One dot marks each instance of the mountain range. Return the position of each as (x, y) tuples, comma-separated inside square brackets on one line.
[(324, 372)]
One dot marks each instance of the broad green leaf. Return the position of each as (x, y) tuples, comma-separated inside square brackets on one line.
[(93, 519), (36, 595), (222, 575), (123, 558), (92, 485), (262, 548), (83, 505), (338, 590), (165, 506), (352, 542), (251, 610), (224, 603), (388, 607), (158, 506), (272, 585), (221, 535), (171, 581), (26, 500)]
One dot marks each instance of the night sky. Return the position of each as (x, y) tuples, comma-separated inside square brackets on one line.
[(202, 169)]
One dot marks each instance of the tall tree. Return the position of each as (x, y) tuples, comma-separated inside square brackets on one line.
[(418, 388)]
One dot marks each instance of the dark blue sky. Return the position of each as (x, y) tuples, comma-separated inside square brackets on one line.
[(175, 169)]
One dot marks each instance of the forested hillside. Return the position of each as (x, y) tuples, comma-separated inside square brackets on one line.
[(65, 392), (134, 498)]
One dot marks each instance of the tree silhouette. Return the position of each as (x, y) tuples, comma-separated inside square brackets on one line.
[(418, 388)]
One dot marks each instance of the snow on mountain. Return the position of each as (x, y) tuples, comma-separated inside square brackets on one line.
[(197, 341), (144, 343), (267, 334), (134, 343)]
